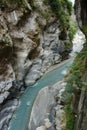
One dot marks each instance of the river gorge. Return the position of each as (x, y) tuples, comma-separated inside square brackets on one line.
[(43, 65)]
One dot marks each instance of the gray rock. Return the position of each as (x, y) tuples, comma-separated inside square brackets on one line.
[(14, 16), (3, 96), (7, 112), (6, 83), (32, 77), (43, 104), (28, 44)]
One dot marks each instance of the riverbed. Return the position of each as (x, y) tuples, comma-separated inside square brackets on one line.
[(21, 117)]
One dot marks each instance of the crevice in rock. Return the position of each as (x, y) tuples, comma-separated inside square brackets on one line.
[(84, 11), (23, 19)]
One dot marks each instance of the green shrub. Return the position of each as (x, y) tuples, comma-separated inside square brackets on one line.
[(69, 7), (15, 3), (62, 9), (72, 31), (74, 78), (74, 83), (70, 118), (84, 29)]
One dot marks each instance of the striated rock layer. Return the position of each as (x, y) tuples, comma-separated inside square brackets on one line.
[(31, 40)]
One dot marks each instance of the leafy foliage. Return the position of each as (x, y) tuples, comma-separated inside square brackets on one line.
[(84, 29), (74, 78), (72, 31), (74, 83), (70, 118), (15, 3), (62, 9)]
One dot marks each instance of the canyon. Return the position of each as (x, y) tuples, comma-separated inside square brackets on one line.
[(35, 36)]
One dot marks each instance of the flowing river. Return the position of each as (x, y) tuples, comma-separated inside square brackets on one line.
[(20, 118)]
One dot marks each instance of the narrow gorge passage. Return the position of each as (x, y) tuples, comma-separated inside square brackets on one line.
[(21, 117), (43, 65)]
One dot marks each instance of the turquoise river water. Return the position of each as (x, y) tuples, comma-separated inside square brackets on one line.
[(21, 116)]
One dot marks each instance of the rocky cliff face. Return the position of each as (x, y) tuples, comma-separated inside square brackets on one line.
[(81, 14), (33, 37), (81, 96), (31, 40)]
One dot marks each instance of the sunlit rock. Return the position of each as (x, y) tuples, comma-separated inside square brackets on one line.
[(41, 128)]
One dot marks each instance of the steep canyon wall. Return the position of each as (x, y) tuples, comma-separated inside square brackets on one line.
[(80, 95), (31, 40)]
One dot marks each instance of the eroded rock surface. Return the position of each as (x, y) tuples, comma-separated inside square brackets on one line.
[(47, 111), (30, 43)]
